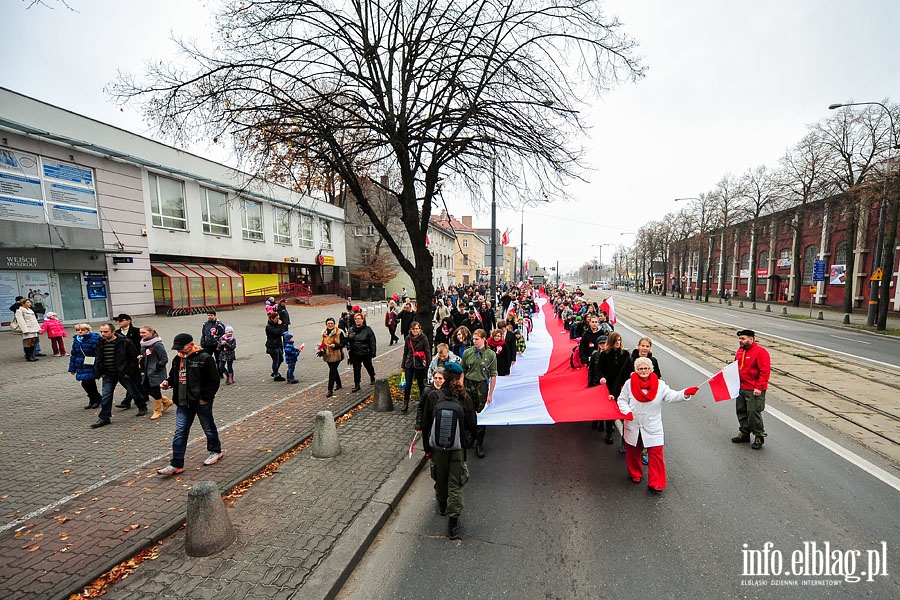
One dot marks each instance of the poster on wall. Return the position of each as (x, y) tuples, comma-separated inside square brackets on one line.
[(9, 289), (69, 193), (36, 287), (838, 274)]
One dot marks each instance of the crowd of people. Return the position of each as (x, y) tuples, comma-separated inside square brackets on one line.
[(475, 339)]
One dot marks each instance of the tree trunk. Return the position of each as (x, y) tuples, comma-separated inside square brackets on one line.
[(890, 243), (751, 276)]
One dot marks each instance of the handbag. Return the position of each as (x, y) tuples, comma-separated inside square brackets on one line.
[(418, 357), (14, 326)]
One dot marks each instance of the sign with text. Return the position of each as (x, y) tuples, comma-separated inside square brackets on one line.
[(819, 270)]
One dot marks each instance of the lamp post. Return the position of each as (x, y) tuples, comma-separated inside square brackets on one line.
[(699, 245), (494, 231), (878, 259)]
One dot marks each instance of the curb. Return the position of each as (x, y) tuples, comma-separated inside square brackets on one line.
[(332, 573)]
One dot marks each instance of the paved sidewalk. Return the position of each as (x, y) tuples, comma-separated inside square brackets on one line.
[(79, 501)]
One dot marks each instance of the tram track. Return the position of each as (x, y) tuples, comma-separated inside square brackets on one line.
[(832, 387)]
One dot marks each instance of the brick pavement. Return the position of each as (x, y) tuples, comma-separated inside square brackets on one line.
[(78, 501)]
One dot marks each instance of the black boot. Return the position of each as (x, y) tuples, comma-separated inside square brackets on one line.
[(479, 450), (453, 528), (405, 405), (29, 355)]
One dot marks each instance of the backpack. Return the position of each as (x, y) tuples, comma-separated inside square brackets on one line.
[(575, 359), (448, 420)]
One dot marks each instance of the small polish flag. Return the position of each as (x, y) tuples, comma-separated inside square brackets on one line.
[(725, 384), (609, 307), (504, 239), (302, 346)]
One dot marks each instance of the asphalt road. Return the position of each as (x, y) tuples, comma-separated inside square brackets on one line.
[(880, 348), (550, 514)]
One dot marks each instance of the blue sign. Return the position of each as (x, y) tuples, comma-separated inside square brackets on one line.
[(819, 270)]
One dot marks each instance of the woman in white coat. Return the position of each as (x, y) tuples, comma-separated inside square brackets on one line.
[(30, 328), (641, 402)]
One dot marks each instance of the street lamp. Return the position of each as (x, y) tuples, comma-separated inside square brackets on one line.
[(878, 260), (699, 245)]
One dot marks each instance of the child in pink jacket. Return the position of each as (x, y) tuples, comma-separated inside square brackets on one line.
[(56, 332)]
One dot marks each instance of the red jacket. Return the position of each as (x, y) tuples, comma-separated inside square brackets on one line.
[(754, 367), (54, 328)]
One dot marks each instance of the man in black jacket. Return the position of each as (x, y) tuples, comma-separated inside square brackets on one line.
[(211, 334), (132, 334), (117, 362), (361, 347), (194, 381)]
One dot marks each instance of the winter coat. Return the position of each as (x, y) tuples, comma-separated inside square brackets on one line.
[(607, 365), (412, 344), (441, 336), (390, 319), (274, 333), (426, 421), (202, 377), (125, 359), (336, 338), (85, 346), (291, 353), (284, 315), (154, 360), (54, 328), (437, 363), (504, 355), (27, 321), (211, 333), (227, 347), (406, 318), (628, 368), (647, 415), (133, 336), (361, 343), (589, 343)]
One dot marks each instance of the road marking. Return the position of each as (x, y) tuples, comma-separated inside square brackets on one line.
[(842, 337), (823, 441)]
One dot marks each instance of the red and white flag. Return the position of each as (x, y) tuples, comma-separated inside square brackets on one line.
[(725, 384), (504, 239), (542, 388), (609, 307)]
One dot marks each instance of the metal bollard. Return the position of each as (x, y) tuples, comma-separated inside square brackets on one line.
[(325, 442), (209, 529), (382, 401)]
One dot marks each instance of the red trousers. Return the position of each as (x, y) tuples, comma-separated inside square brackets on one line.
[(656, 468)]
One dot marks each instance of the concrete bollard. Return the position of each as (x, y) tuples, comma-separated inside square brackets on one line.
[(382, 401), (728, 302), (740, 304), (753, 306), (784, 310), (209, 529), (720, 301), (846, 320), (325, 438), (768, 308), (820, 316)]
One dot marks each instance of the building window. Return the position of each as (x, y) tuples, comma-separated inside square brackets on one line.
[(841, 253), (305, 230), (358, 230), (745, 266), (282, 226), (251, 220), (167, 202), (465, 242), (214, 206), (763, 263), (326, 234), (809, 259), (729, 269), (785, 253), (465, 259)]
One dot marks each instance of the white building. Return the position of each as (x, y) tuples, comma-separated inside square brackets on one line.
[(87, 208)]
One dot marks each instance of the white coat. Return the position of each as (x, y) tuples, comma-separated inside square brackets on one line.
[(27, 322), (647, 415)]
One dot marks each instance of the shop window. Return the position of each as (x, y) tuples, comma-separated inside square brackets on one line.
[(214, 207), (167, 202), (282, 226), (305, 230), (251, 220)]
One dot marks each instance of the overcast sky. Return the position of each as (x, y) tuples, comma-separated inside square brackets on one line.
[(730, 86)]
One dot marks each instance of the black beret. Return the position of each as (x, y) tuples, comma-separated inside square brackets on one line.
[(747, 332)]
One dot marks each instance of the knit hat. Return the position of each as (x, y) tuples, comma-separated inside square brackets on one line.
[(288, 336), (229, 329)]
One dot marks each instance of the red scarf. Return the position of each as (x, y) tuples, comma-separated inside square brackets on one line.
[(652, 383), (494, 345)]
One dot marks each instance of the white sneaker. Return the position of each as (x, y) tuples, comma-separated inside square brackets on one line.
[(213, 458), (170, 470)]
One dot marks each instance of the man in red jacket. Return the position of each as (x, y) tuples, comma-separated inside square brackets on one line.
[(754, 367)]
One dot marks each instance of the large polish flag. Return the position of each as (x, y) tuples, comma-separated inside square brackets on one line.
[(726, 383), (542, 388)]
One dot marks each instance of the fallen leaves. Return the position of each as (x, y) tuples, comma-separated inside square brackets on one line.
[(99, 586)]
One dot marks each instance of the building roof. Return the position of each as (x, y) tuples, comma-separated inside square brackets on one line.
[(448, 221)]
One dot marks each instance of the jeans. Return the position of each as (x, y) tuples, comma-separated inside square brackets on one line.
[(184, 418), (290, 366), (277, 355), (109, 387), (226, 367)]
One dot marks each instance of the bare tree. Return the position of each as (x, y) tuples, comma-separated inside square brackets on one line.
[(431, 88), (728, 198), (803, 180), (760, 189), (856, 141)]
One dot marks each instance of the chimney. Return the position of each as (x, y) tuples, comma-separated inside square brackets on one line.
[(384, 181), (467, 221)]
